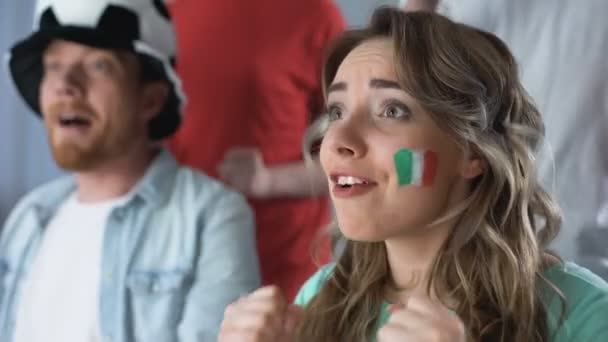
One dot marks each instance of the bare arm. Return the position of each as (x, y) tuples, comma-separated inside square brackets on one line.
[(297, 179), (245, 170)]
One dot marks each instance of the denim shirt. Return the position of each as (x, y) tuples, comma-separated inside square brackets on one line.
[(174, 255)]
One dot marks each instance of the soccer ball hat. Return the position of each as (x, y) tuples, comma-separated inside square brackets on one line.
[(143, 27)]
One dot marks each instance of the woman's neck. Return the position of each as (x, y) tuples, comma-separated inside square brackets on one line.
[(410, 258)]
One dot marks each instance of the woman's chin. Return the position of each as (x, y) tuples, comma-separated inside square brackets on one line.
[(362, 234)]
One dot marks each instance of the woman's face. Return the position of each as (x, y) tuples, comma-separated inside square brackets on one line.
[(392, 170)]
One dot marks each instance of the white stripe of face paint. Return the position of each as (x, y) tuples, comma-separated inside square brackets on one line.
[(417, 168)]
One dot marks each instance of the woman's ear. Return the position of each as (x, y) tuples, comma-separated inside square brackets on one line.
[(473, 167)]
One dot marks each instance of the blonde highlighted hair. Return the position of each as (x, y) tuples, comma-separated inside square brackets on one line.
[(493, 262)]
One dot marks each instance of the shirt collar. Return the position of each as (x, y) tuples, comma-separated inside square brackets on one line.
[(153, 188), (156, 184)]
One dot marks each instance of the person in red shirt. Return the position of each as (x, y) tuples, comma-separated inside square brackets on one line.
[(251, 71)]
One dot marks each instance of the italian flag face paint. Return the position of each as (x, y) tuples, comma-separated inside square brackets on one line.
[(416, 167)]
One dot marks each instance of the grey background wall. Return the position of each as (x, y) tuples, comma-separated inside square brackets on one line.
[(358, 11), (24, 158)]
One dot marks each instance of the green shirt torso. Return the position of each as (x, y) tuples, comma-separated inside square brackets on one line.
[(586, 296)]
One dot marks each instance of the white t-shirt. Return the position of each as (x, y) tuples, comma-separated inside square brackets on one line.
[(60, 298), (561, 47)]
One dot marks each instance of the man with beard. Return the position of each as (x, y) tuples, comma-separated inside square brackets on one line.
[(131, 247)]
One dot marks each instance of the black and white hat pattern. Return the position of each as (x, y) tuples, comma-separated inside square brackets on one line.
[(141, 26)]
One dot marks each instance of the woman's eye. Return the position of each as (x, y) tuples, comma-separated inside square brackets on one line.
[(396, 111), (334, 113)]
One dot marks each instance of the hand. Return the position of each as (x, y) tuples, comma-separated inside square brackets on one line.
[(263, 316), (422, 320), (244, 170)]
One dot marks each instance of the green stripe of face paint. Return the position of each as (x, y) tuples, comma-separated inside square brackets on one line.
[(404, 162)]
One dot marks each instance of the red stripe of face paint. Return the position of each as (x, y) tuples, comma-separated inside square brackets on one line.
[(430, 168)]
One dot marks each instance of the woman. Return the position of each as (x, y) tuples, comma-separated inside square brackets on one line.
[(428, 145)]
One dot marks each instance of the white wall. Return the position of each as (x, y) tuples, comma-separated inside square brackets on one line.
[(357, 12)]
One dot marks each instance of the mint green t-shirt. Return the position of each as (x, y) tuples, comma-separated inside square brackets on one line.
[(586, 296)]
